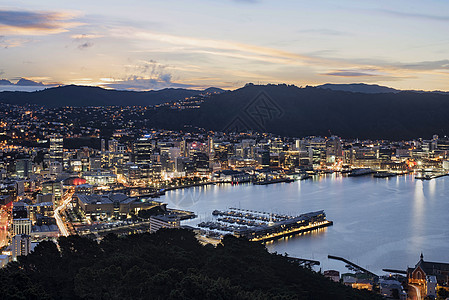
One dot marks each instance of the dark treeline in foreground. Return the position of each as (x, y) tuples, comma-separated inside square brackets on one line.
[(170, 264)]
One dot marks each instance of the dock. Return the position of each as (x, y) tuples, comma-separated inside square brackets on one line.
[(307, 263), (266, 182), (357, 267), (394, 271), (430, 176), (260, 226)]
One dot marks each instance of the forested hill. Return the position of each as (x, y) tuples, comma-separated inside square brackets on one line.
[(72, 95), (170, 264), (293, 111)]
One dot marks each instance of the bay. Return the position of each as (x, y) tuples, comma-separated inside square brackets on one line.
[(378, 223)]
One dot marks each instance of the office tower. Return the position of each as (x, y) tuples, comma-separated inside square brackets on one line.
[(103, 145), (142, 150), (56, 148), (23, 167)]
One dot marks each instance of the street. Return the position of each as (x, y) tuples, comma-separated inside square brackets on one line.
[(3, 226), (65, 200), (414, 292)]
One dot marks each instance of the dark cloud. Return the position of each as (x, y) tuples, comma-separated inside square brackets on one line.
[(343, 73), (28, 21), (85, 45)]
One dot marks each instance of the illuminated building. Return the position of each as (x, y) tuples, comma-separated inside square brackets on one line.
[(112, 205), (21, 245), (142, 150), (21, 226), (24, 168), (429, 275), (53, 187), (100, 177), (164, 221), (56, 148)]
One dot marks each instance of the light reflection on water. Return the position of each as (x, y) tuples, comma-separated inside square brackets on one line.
[(378, 223)]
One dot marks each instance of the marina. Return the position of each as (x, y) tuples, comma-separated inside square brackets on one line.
[(263, 226)]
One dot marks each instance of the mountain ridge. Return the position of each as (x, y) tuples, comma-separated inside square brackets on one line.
[(79, 96)]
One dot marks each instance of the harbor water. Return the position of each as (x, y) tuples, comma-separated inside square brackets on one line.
[(378, 222)]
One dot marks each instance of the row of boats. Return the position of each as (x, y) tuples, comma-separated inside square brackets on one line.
[(251, 216)]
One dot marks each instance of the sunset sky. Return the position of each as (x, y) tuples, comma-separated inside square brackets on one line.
[(225, 43)]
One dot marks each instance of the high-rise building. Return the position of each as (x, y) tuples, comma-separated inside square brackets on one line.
[(53, 187), (21, 245), (21, 226), (23, 167), (19, 210), (113, 145), (56, 148), (142, 150), (103, 145)]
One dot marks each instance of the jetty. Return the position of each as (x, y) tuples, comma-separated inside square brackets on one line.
[(353, 265)]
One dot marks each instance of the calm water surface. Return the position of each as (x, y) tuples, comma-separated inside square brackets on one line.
[(378, 223)]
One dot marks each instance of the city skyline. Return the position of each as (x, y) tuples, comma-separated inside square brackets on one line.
[(144, 46)]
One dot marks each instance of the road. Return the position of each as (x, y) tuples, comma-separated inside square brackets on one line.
[(65, 200), (416, 295), (3, 226)]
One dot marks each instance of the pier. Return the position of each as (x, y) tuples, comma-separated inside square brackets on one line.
[(357, 267), (266, 182), (307, 263), (430, 176), (262, 227)]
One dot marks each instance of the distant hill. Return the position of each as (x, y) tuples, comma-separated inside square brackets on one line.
[(358, 88), (73, 95), (292, 111), (280, 109), (27, 82), (214, 90), (5, 82)]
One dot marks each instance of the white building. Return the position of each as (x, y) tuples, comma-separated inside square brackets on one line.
[(21, 226)]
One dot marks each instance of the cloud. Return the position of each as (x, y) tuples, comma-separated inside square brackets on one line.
[(424, 17), (426, 65), (86, 36), (150, 69), (85, 45), (344, 73), (35, 23), (222, 47), (145, 75), (11, 43), (144, 84)]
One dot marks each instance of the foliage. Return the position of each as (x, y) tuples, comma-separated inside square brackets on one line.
[(169, 264)]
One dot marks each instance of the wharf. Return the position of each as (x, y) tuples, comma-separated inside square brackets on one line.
[(429, 177), (266, 182), (261, 226)]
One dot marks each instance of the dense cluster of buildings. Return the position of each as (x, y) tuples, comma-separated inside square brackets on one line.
[(61, 167)]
